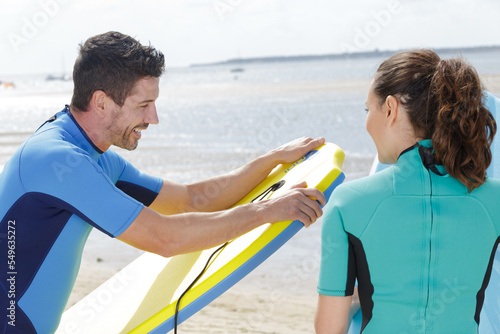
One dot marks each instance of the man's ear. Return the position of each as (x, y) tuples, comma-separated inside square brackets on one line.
[(98, 102), (392, 110)]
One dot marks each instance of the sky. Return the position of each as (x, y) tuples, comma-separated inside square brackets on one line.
[(42, 36)]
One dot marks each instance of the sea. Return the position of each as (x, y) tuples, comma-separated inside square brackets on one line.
[(215, 118)]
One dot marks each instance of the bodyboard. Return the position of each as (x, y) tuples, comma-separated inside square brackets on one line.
[(151, 285)]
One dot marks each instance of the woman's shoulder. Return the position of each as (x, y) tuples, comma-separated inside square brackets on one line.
[(370, 188), (491, 187), (488, 190)]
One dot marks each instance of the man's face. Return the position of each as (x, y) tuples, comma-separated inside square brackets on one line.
[(138, 111)]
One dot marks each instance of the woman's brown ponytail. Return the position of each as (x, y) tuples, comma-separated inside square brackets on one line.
[(464, 128), (444, 101)]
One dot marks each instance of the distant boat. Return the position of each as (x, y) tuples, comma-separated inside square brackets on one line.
[(63, 77), (237, 70), (7, 84)]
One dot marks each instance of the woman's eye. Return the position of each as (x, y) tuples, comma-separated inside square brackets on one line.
[(366, 109)]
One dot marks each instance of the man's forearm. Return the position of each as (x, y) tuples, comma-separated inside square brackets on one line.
[(188, 232), (199, 231), (169, 235)]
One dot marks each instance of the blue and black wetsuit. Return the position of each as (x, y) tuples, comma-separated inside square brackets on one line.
[(53, 191), (420, 246)]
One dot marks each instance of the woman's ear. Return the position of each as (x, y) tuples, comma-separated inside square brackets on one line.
[(391, 110)]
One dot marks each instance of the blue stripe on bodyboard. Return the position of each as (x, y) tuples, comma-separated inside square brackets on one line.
[(241, 271)]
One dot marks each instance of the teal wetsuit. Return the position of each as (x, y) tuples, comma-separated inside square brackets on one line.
[(420, 246)]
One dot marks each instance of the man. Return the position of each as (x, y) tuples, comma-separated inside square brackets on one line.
[(63, 181)]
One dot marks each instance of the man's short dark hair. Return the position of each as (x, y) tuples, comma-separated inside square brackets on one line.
[(112, 62)]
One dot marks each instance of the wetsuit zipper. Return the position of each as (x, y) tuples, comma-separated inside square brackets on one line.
[(430, 254)]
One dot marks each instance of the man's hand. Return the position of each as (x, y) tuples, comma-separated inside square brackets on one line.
[(299, 203), (295, 149)]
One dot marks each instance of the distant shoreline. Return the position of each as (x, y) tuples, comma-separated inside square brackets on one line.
[(347, 55)]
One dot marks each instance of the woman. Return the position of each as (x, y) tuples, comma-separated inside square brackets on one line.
[(420, 236)]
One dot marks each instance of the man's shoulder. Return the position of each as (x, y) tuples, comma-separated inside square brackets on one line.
[(51, 156), (48, 144)]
